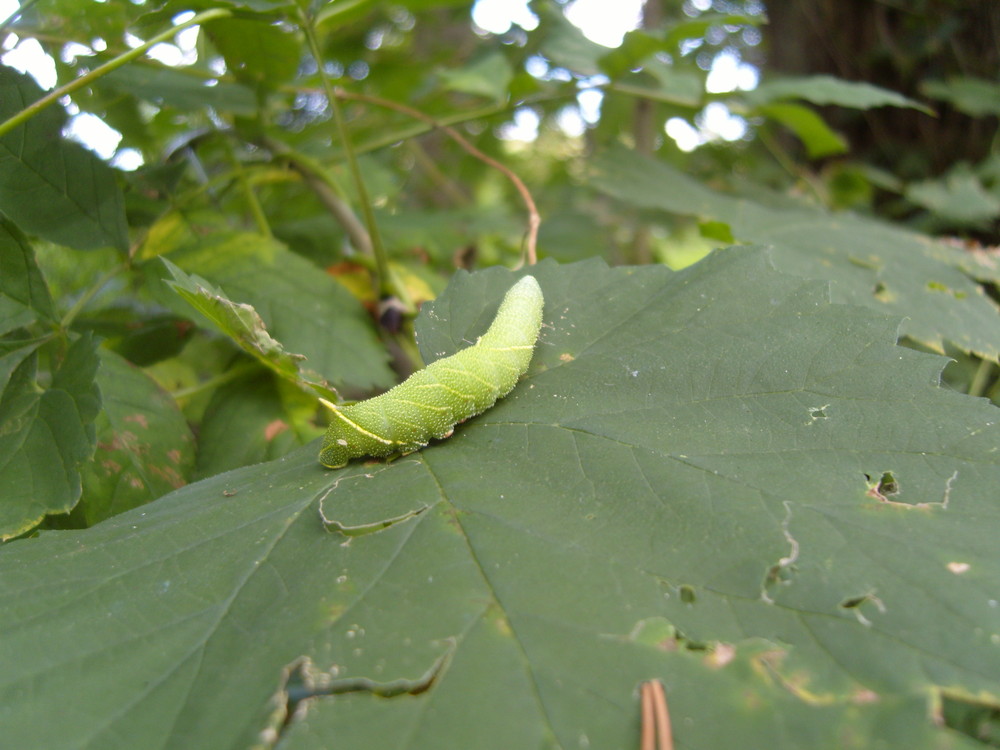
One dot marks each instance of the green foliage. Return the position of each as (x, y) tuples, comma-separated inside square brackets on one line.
[(49, 186), (728, 477), (688, 485)]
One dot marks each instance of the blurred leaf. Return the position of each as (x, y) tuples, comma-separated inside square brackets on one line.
[(24, 297), (677, 490), (145, 448), (566, 46), (868, 262), (636, 47), (45, 435), (716, 230), (697, 28), (342, 11), (256, 52), (240, 322), (50, 186), (664, 83), (142, 340), (173, 87), (959, 196), (817, 136), (977, 97), (249, 421), (489, 76), (822, 90)]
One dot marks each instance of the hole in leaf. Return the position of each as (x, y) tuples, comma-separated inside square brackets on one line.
[(881, 293), (885, 487), (686, 593), (855, 603), (975, 718)]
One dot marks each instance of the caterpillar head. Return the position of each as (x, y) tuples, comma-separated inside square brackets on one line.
[(334, 454)]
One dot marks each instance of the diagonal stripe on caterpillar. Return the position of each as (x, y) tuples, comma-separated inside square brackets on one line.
[(431, 401)]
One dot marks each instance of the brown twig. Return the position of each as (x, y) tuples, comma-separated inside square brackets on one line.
[(534, 220), (656, 732)]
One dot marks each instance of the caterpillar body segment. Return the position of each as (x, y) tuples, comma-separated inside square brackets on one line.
[(432, 400)]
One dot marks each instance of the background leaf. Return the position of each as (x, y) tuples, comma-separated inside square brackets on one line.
[(243, 325), (829, 90), (689, 485), (302, 307), (251, 421), (52, 187), (869, 262), (45, 436), (24, 296), (817, 136), (256, 51), (145, 448)]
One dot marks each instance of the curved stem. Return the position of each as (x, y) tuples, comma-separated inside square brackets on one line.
[(53, 96), (534, 220)]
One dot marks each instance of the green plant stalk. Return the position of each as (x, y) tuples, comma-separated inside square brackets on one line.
[(256, 210), (70, 316), (229, 375), (53, 96), (385, 285), (981, 378)]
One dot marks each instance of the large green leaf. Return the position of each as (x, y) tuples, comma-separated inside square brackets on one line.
[(713, 477), (869, 262), (52, 187), (45, 435)]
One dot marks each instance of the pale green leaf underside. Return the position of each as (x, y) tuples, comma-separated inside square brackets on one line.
[(244, 326), (304, 309), (687, 451)]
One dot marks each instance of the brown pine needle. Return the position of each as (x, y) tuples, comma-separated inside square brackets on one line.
[(656, 732)]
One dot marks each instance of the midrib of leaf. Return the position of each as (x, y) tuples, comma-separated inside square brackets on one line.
[(488, 584)]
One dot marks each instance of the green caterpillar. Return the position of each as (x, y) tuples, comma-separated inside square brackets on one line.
[(431, 401)]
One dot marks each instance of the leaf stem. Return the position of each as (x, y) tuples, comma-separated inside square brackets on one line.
[(981, 378), (385, 285), (229, 375), (53, 96), (256, 210), (87, 296)]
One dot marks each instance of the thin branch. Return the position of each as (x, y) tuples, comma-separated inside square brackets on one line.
[(319, 182), (531, 242), (77, 83)]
